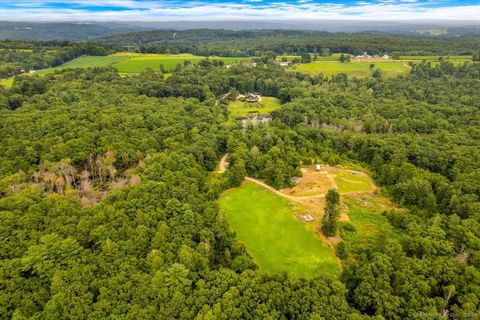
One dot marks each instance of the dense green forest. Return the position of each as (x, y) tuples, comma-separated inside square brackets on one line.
[(108, 189), (22, 56), (250, 42)]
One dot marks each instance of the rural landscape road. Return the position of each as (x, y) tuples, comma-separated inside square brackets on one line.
[(224, 164)]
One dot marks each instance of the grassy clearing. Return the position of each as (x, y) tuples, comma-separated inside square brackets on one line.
[(126, 62), (333, 57), (240, 108), (436, 58), (86, 62), (369, 224), (135, 63), (354, 68), (275, 239), (348, 182), (7, 83)]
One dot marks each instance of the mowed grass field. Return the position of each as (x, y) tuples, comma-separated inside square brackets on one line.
[(240, 108), (135, 63), (349, 183), (86, 62), (126, 62), (358, 69), (277, 241)]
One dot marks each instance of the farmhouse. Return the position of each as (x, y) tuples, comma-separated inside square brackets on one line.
[(252, 98), (365, 55), (386, 56), (283, 63)]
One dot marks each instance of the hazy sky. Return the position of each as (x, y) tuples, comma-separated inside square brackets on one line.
[(161, 10)]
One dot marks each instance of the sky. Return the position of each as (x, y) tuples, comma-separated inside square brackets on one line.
[(215, 10)]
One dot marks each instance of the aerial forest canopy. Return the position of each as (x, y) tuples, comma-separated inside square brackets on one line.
[(251, 42), (109, 186)]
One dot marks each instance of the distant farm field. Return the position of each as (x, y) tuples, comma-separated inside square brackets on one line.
[(436, 58), (87, 62), (126, 62), (240, 108), (354, 68), (333, 57), (137, 63), (278, 242)]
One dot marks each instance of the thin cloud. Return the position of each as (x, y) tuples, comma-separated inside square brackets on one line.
[(148, 10)]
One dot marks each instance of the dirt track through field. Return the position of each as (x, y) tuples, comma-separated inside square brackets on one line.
[(224, 165), (296, 199)]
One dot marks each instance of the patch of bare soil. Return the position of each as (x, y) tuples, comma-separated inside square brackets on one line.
[(313, 183)]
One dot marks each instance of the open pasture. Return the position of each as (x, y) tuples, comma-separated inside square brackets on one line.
[(126, 62), (436, 58), (277, 241), (86, 62), (333, 57), (239, 108), (135, 63), (354, 68)]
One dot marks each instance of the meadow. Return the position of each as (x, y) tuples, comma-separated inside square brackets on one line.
[(347, 182), (333, 57), (240, 108), (436, 58), (366, 222), (126, 62), (354, 68), (86, 62), (278, 242)]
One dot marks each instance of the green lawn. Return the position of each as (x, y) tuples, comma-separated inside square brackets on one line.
[(354, 68), (137, 63), (348, 182), (126, 62), (239, 108), (86, 62), (275, 239)]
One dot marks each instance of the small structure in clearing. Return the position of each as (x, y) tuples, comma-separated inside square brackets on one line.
[(252, 98), (386, 56), (318, 167), (305, 218), (365, 55)]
